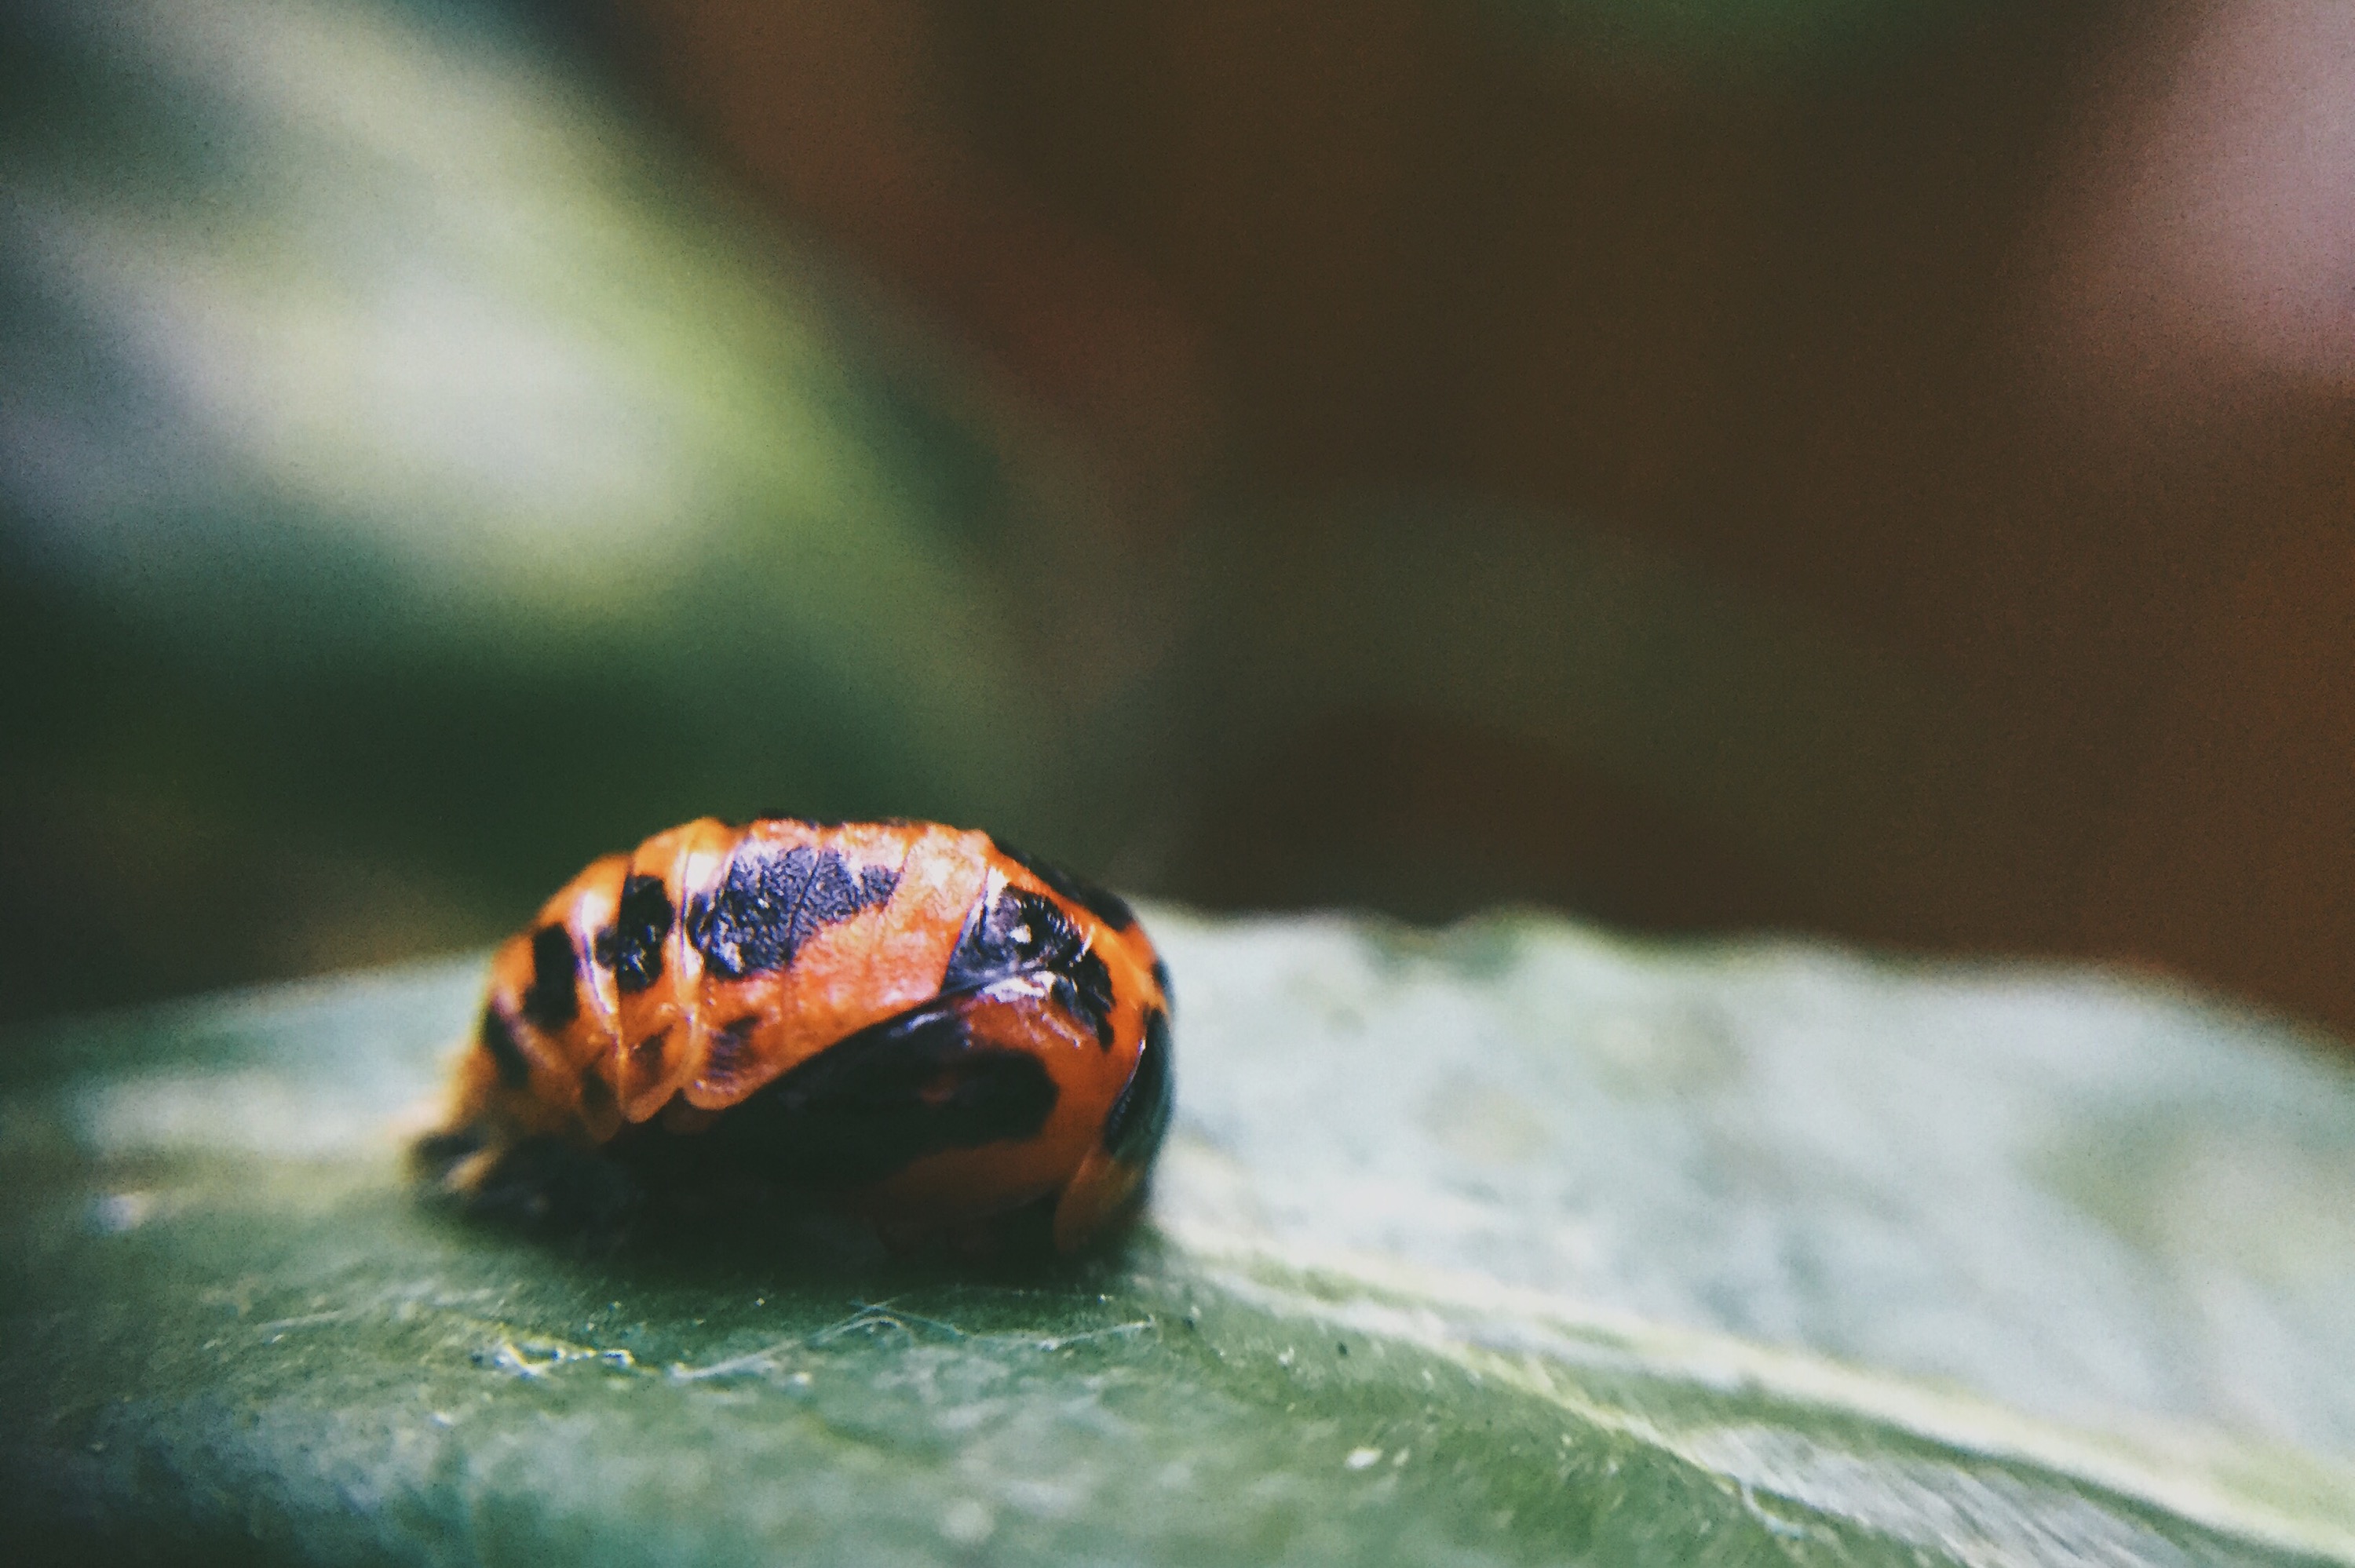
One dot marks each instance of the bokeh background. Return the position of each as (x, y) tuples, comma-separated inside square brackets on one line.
[(1882, 468)]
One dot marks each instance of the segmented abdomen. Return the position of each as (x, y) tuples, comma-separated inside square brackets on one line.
[(713, 959)]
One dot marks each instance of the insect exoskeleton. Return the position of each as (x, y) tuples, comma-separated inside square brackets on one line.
[(907, 1022)]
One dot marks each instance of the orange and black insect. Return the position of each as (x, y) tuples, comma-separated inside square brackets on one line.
[(909, 1022)]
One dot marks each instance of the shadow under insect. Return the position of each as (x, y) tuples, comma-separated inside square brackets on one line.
[(780, 1163)]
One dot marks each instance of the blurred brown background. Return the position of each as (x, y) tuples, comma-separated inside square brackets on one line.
[(2023, 343), (2009, 345)]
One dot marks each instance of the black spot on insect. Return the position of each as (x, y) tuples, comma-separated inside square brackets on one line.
[(866, 1105), (1010, 935), (1102, 902), (632, 947), (1138, 1117), (1020, 933), (772, 901), (553, 998), (1085, 991), (876, 883), (498, 1041), (727, 1052)]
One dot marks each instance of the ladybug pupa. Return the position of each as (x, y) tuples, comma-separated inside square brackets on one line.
[(906, 1023)]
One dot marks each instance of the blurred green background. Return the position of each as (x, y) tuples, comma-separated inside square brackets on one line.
[(1879, 467)]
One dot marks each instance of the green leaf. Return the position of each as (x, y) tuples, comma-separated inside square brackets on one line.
[(1511, 1244)]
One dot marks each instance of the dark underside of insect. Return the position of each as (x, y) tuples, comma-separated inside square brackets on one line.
[(902, 1022)]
